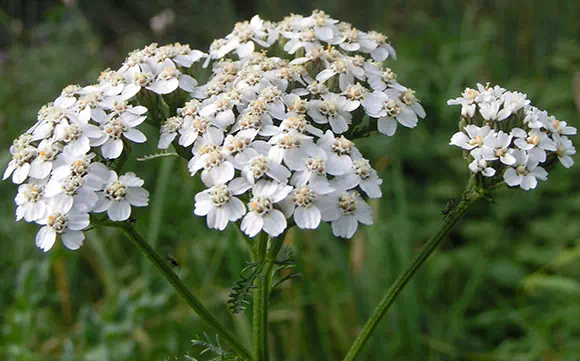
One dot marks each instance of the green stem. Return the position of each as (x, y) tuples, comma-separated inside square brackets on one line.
[(260, 317), (180, 287), (262, 293), (471, 194)]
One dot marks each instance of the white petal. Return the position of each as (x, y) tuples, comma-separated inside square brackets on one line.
[(236, 209), (187, 83), (164, 86), (512, 178), (135, 135), (252, 224), (137, 197), (222, 173), (371, 188), (239, 186), (387, 126), (21, 173), (307, 218), (119, 211), (45, 238), (112, 149), (529, 182), (345, 226), (274, 223), (73, 240)]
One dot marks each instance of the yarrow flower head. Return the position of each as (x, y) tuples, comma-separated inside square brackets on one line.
[(508, 140), (272, 136)]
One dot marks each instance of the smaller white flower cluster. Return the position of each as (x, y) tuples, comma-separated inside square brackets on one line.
[(61, 157), (509, 139)]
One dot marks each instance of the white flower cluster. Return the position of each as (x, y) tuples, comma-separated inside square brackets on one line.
[(509, 139), (60, 161), (268, 134)]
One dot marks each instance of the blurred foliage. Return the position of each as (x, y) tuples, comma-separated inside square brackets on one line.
[(505, 286)]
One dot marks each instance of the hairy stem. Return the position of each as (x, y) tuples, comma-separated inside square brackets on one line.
[(182, 290), (471, 194)]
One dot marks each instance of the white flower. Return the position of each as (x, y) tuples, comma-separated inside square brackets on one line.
[(525, 172), (169, 130), (355, 39), (488, 94), (535, 143), (19, 166), (116, 128), (297, 122), (408, 98), (31, 201), (67, 164), (347, 68), (334, 109), (381, 50), (564, 150), (559, 127), (490, 110), (168, 78), (68, 226), (73, 190), (46, 153), (219, 204), (219, 111), (512, 103), (362, 175), (261, 212), (388, 108), (379, 79), (77, 135), (240, 148), (345, 211), (479, 164), (304, 205), (192, 128), (261, 166), (119, 194), (497, 145), (474, 138), (292, 148), (216, 168), (468, 96), (136, 80), (314, 173), (339, 153), (536, 118), (67, 97)]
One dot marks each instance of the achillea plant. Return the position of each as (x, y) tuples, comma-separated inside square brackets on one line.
[(271, 134)]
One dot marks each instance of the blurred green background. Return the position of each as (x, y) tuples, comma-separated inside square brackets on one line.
[(504, 286)]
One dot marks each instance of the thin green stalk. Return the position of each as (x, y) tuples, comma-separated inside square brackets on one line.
[(180, 287), (262, 293), (260, 316), (470, 196)]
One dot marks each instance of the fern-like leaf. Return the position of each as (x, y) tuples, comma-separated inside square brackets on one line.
[(238, 298), (214, 348), (157, 155)]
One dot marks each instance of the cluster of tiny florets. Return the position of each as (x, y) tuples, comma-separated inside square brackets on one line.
[(507, 139), (268, 132)]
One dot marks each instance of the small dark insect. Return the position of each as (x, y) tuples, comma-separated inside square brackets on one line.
[(170, 259)]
